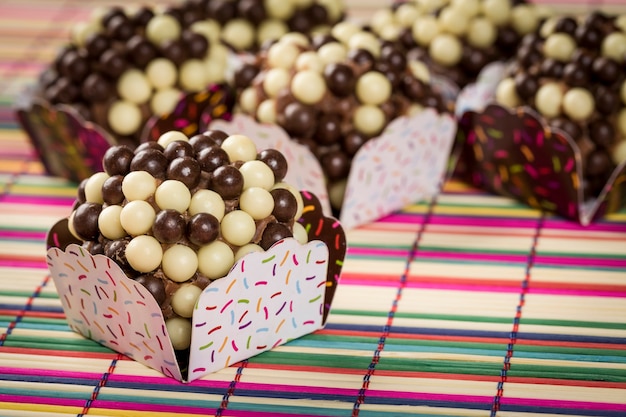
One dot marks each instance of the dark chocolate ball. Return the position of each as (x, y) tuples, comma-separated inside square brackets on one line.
[(185, 169), (526, 85), (175, 51), (507, 40), (575, 75), (74, 66), (318, 14), (96, 44), (116, 250), (602, 132), (566, 25), (252, 10), (86, 220), (352, 142), (116, 160), (120, 28), (197, 44), (607, 100), (568, 126), (203, 228), (394, 57), (276, 161), (200, 142), (300, 22), (588, 37), (340, 79), (154, 285), (227, 181), (212, 158), (328, 129), (285, 205), (96, 88), (552, 68), (245, 74), (110, 13), (217, 135), (363, 58), (112, 190), (528, 56), (169, 226), (64, 91), (598, 162), (150, 160), (606, 69), (80, 191), (273, 233), (142, 16), (583, 57), (335, 164), (140, 50), (177, 149), (299, 119), (113, 63), (222, 10), (414, 88)]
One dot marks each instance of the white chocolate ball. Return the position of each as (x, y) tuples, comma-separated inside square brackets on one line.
[(497, 11), (93, 187), (309, 60), (124, 117), (343, 31), (266, 112), (332, 52), (173, 194), (138, 185), (614, 46), (110, 224), (282, 54), (373, 88), (161, 28), (621, 121), (164, 101), (238, 228), (239, 33), (453, 20), (365, 40), (524, 19), (369, 119), (279, 9), (548, 99), (215, 259), (425, 29), (246, 249), (239, 148), (207, 201), (257, 174), (446, 49), (275, 80), (179, 332), (300, 234), (184, 300), (137, 217), (192, 75), (578, 104), (257, 202), (209, 28), (619, 152), (134, 87), (308, 86), (481, 33), (506, 93), (171, 136), (559, 46), (179, 263), (144, 253), (271, 29)]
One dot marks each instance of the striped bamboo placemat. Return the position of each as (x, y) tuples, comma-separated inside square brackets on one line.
[(468, 305)]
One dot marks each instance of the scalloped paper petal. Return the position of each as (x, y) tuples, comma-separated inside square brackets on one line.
[(192, 113), (514, 153), (266, 300), (68, 146), (405, 164), (305, 172), (103, 304)]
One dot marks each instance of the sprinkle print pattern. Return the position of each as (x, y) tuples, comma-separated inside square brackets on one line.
[(267, 299), (405, 164), (68, 146), (101, 303)]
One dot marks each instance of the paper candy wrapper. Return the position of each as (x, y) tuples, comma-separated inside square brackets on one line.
[(267, 299), (514, 153), (71, 147), (406, 163)]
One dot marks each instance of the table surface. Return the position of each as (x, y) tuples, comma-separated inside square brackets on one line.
[(471, 305)]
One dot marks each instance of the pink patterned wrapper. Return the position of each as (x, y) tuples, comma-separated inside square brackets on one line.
[(267, 299)]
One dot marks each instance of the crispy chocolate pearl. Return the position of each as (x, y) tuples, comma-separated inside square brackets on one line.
[(203, 228), (601, 132), (116, 250), (276, 161), (74, 66), (575, 75), (185, 169), (200, 142), (528, 55), (212, 158), (96, 44), (112, 190), (175, 51), (252, 10), (598, 162), (120, 28), (607, 101), (86, 220), (154, 285), (217, 135), (526, 85), (507, 39), (567, 126), (227, 181), (116, 160), (110, 14), (169, 226), (151, 161), (606, 69), (140, 50), (340, 79), (96, 88), (299, 119), (177, 149), (197, 45), (336, 164), (352, 142), (318, 14), (113, 63), (552, 68), (245, 74), (142, 16), (328, 129), (299, 22), (273, 233), (583, 57), (285, 205), (588, 37), (222, 10)]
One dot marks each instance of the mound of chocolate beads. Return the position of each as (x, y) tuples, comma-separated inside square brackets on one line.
[(457, 38), (122, 67), (177, 213), (572, 72), (333, 93)]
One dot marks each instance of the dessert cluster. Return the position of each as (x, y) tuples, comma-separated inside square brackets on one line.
[(124, 66), (458, 38), (334, 92), (572, 71), (177, 213)]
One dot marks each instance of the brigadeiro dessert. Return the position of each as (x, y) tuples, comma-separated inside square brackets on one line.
[(572, 72), (333, 93), (123, 66), (458, 38), (177, 213)]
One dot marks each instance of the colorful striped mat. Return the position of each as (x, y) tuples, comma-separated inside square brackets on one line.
[(469, 305)]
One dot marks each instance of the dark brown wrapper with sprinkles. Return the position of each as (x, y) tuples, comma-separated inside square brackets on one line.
[(515, 154)]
